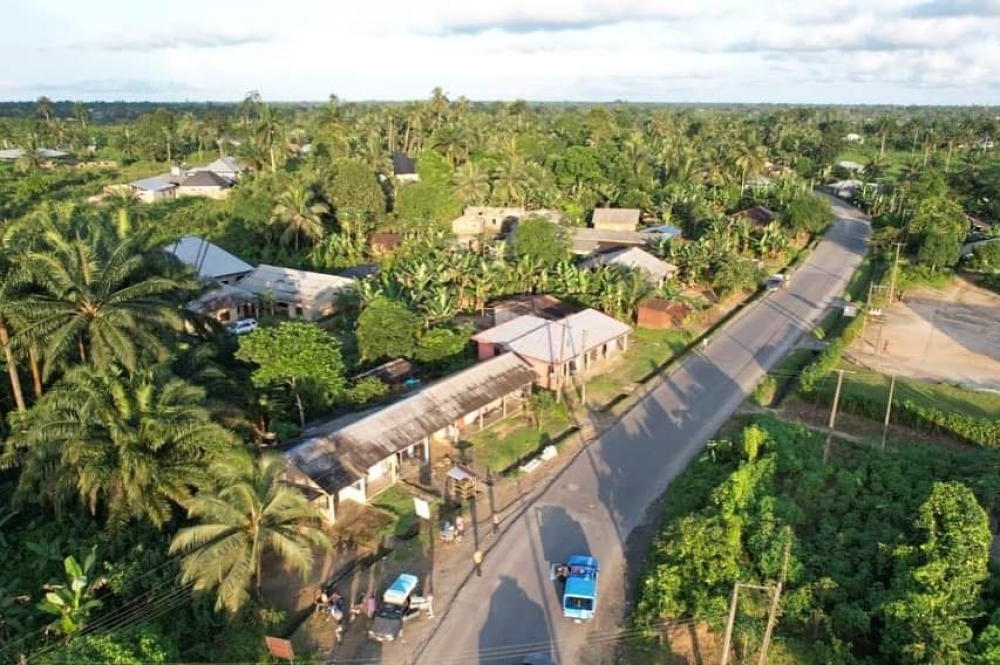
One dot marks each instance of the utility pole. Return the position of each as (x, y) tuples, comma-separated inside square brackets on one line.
[(892, 279), (772, 615), (583, 374), (833, 414), (864, 314), (730, 623), (888, 410)]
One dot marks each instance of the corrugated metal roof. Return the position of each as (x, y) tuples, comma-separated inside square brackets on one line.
[(294, 286), (209, 259), (154, 184), (634, 258), (223, 297), (616, 216), (332, 457), (224, 165), (511, 330), (205, 179), (555, 342)]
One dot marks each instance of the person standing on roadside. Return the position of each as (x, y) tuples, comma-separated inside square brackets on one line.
[(477, 560)]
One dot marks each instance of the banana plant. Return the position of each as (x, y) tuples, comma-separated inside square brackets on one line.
[(72, 603)]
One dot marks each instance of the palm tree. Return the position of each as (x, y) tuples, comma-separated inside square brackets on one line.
[(100, 291), (249, 510), (300, 215), (130, 445), (471, 184), (5, 338)]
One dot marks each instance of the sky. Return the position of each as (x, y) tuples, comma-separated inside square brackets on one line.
[(770, 51)]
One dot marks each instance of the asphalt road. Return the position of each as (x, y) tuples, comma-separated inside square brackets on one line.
[(513, 609)]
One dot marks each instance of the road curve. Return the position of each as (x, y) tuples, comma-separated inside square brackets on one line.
[(513, 609)]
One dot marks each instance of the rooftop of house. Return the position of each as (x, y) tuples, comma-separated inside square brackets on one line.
[(555, 342), (205, 179), (155, 183), (290, 285), (224, 297), (223, 165), (634, 258), (402, 164), (677, 310), (663, 230), (616, 216), (210, 260), (336, 453), (584, 240), (542, 305), (757, 214), (44, 153)]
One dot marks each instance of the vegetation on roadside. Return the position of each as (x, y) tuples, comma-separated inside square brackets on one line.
[(884, 555)]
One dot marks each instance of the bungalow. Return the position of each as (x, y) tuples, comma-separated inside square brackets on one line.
[(557, 350), (757, 215), (211, 261), (295, 293), (225, 167), (226, 303), (157, 188), (404, 167), (482, 222), (655, 270), (43, 153), (541, 305), (854, 138), (356, 457), (584, 241), (616, 219), (206, 184), (853, 167)]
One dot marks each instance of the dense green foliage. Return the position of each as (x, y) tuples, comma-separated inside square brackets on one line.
[(121, 407), (886, 553)]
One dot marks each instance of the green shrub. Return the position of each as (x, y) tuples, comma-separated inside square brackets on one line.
[(764, 393), (367, 390), (830, 357)]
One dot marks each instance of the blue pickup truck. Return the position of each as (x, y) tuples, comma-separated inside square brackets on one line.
[(579, 579)]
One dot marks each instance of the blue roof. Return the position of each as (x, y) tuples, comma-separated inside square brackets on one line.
[(665, 230)]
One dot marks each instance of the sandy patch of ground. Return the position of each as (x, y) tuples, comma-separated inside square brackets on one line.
[(948, 335)]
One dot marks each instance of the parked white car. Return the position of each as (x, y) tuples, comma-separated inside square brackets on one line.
[(242, 327)]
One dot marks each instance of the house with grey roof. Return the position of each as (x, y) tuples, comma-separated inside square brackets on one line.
[(213, 263), (294, 293), (355, 457), (156, 188), (653, 269), (616, 219), (557, 350), (584, 241), (206, 184), (225, 167)]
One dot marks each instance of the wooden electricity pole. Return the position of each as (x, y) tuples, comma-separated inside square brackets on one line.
[(833, 414), (731, 622), (892, 279), (888, 411), (772, 615)]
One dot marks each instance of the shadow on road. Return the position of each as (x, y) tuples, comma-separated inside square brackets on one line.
[(495, 645)]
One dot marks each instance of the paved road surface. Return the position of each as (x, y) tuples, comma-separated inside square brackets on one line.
[(513, 609)]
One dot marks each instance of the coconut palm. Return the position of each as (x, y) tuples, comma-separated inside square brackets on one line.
[(130, 445), (471, 184), (300, 215), (249, 510), (99, 292)]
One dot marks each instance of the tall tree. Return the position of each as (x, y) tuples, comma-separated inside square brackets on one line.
[(129, 445), (298, 355), (300, 214), (100, 293), (248, 511)]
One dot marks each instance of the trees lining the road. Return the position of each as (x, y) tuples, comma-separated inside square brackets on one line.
[(888, 552)]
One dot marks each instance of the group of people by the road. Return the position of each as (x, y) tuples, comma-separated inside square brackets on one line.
[(330, 605)]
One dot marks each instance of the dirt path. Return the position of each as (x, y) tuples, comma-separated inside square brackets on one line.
[(950, 335)]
